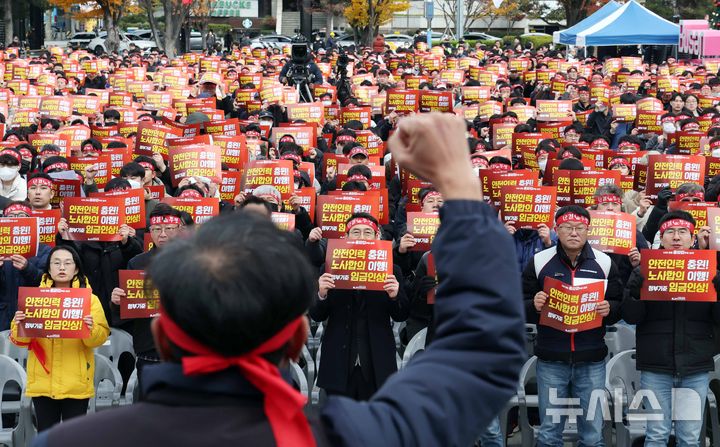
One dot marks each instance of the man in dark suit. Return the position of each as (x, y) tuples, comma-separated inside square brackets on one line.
[(358, 346)]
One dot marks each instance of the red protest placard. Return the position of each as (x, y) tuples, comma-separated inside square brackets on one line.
[(686, 143), (310, 112), (284, 221), (526, 140), (119, 157), (278, 173), (649, 121), (134, 205), (334, 211), (201, 209), (152, 138), (402, 101), (612, 232), (63, 141), (58, 107), (94, 218), (359, 264), (678, 275), (230, 185), (578, 187), (65, 188), (198, 160), (233, 150), (713, 215), (305, 136), (698, 210), (362, 114), (19, 236), (431, 101), (102, 165), (54, 312), (423, 226), (673, 171), (493, 181), (141, 300), (229, 127), (502, 134), (528, 206), (624, 112), (47, 221), (558, 110), (572, 308)]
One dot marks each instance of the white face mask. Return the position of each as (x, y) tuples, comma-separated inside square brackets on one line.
[(542, 164), (716, 153), (7, 174), (327, 103), (669, 127), (134, 184)]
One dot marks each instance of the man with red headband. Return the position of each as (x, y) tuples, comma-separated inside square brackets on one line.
[(675, 345), (570, 365), (165, 225), (40, 191), (220, 382), (18, 271), (358, 348), (687, 192)]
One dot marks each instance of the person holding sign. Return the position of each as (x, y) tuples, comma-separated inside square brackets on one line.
[(609, 198), (235, 366), (18, 271), (165, 225), (571, 362), (40, 191), (687, 192), (61, 370), (12, 184), (358, 348), (675, 344)]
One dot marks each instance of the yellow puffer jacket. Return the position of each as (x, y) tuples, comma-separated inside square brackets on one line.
[(71, 362)]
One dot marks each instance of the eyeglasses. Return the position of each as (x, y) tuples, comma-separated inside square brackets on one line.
[(58, 264), (569, 229), (168, 230), (678, 231)]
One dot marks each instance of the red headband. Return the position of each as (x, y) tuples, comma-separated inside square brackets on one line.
[(357, 178), (619, 161), (715, 144), (676, 223), (431, 194), (608, 198), (345, 139), (25, 152), (283, 404), (190, 193), (628, 144), (17, 207), (11, 153), (567, 154), (252, 133), (40, 182), (685, 127), (165, 220), (696, 195), (146, 165), (541, 152), (294, 157), (572, 218), (599, 143), (361, 221), (500, 167), (61, 165), (287, 139), (357, 151)]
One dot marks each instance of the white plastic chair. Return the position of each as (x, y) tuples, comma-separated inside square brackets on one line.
[(22, 433), (132, 391), (106, 396), (299, 377), (619, 338), (17, 353), (416, 344), (623, 377)]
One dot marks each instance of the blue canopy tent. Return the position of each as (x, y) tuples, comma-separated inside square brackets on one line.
[(631, 24), (567, 36)]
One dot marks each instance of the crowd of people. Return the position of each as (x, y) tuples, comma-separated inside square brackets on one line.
[(585, 115)]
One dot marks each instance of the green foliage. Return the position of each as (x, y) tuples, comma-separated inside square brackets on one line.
[(219, 28), (687, 9), (537, 41), (134, 21)]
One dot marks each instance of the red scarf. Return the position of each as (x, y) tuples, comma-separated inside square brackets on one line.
[(283, 404)]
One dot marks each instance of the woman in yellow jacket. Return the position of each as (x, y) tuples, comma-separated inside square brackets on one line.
[(61, 371)]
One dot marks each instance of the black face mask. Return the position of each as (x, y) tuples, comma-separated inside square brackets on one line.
[(24, 167)]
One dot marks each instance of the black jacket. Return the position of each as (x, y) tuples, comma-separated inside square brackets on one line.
[(101, 262), (143, 342), (345, 312), (555, 345), (671, 337)]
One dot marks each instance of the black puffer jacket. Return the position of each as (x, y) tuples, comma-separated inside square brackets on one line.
[(671, 337)]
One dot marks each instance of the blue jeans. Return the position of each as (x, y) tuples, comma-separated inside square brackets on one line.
[(492, 436), (567, 389), (684, 406)]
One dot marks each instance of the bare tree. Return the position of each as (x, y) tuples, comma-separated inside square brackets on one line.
[(176, 12)]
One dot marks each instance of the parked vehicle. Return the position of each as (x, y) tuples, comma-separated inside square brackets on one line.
[(80, 40)]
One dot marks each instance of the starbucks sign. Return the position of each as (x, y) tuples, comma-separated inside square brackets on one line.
[(235, 8)]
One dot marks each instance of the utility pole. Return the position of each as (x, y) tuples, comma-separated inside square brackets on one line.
[(429, 12), (459, 19)]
